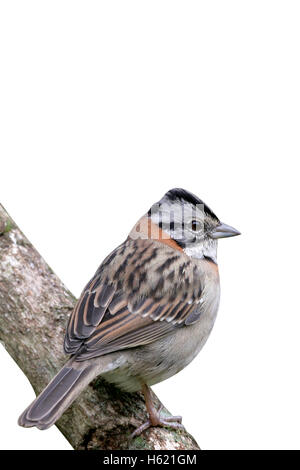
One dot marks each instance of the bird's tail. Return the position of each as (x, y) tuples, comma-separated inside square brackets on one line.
[(63, 389)]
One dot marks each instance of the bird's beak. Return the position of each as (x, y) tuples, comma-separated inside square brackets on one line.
[(224, 231)]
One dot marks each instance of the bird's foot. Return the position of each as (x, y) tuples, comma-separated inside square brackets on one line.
[(155, 419)]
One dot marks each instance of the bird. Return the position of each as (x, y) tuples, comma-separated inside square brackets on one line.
[(147, 311)]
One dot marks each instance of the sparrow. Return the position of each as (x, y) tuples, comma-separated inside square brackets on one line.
[(147, 311)]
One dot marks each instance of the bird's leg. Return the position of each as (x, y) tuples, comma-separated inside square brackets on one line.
[(155, 418)]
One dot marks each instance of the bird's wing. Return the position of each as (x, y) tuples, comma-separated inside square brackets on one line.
[(134, 300)]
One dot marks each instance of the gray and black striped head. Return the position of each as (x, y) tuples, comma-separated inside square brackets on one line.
[(190, 223)]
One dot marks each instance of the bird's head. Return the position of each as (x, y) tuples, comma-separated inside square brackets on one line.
[(185, 222)]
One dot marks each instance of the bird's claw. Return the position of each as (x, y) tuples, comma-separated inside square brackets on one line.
[(166, 421)]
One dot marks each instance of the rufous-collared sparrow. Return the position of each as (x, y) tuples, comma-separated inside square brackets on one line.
[(147, 311)]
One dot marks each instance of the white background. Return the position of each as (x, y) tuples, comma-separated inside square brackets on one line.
[(105, 105)]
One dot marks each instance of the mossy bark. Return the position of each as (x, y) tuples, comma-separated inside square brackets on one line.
[(34, 307)]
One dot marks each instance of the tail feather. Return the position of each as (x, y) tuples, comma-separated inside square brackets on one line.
[(58, 395)]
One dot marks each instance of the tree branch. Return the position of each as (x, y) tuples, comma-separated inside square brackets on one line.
[(34, 307)]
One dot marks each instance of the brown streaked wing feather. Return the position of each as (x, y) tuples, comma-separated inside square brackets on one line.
[(127, 330), (87, 314), (118, 310), (142, 336)]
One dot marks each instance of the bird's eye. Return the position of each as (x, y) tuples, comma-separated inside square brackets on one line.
[(195, 225)]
